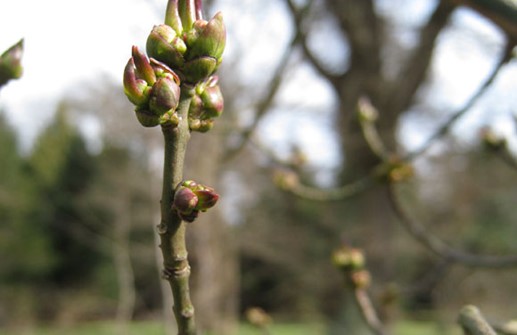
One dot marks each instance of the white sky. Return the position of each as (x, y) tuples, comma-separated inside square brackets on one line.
[(66, 41)]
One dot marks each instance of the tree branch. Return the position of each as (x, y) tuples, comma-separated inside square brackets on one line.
[(446, 126), (368, 312), (172, 228), (440, 248), (473, 323), (503, 13), (301, 38), (265, 103), (402, 91)]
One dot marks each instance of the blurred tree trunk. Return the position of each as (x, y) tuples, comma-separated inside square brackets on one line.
[(365, 33), (364, 30), (212, 251)]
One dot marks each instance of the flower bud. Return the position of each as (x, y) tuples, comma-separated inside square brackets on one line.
[(185, 201), (165, 96), (143, 68), (213, 101), (10, 63), (346, 258), (135, 89), (154, 88), (169, 119), (172, 17), (205, 125), (207, 198), (211, 40), (164, 45), (198, 69), (146, 118), (491, 140), (206, 195), (187, 13), (361, 279)]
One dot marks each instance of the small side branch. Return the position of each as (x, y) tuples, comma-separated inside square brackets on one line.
[(473, 323), (440, 248), (298, 16), (444, 129), (265, 103), (368, 312)]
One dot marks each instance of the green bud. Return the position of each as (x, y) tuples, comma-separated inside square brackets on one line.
[(10, 63), (213, 101), (165, 96), (187, 13), (146, 118), (198, 69), (135, 89), (172, 17), (163, 71), (346, 258), (211, 40), (143, 68), (207, 197), (164, 45), (194, 124), (491, 140), (205, 125), (185, 201), (170, 119), (192, 35), (361, 279)]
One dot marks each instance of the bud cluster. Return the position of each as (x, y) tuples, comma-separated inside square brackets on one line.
[(153, 88), (491, 140), (207, 104), (351, 262), (183, 53), (188, 44), (394, 170), (191, 198)]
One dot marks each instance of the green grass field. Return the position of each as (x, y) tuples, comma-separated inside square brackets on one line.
[(155, 328)]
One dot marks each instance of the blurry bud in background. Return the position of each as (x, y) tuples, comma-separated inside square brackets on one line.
[(491, 140), (258, 317), (10, 63), (347, 258)]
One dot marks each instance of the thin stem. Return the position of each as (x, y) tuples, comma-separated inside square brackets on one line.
[(439, 247), (172, 228), (368, 312), (444, 129)]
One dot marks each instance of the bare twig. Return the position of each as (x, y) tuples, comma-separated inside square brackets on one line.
[(402, 90), (298, 16), (473, 323), (368, 312), (339, 193), (439, 247), (446, 126), (502, 12), (265, 103), (368, 114)]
